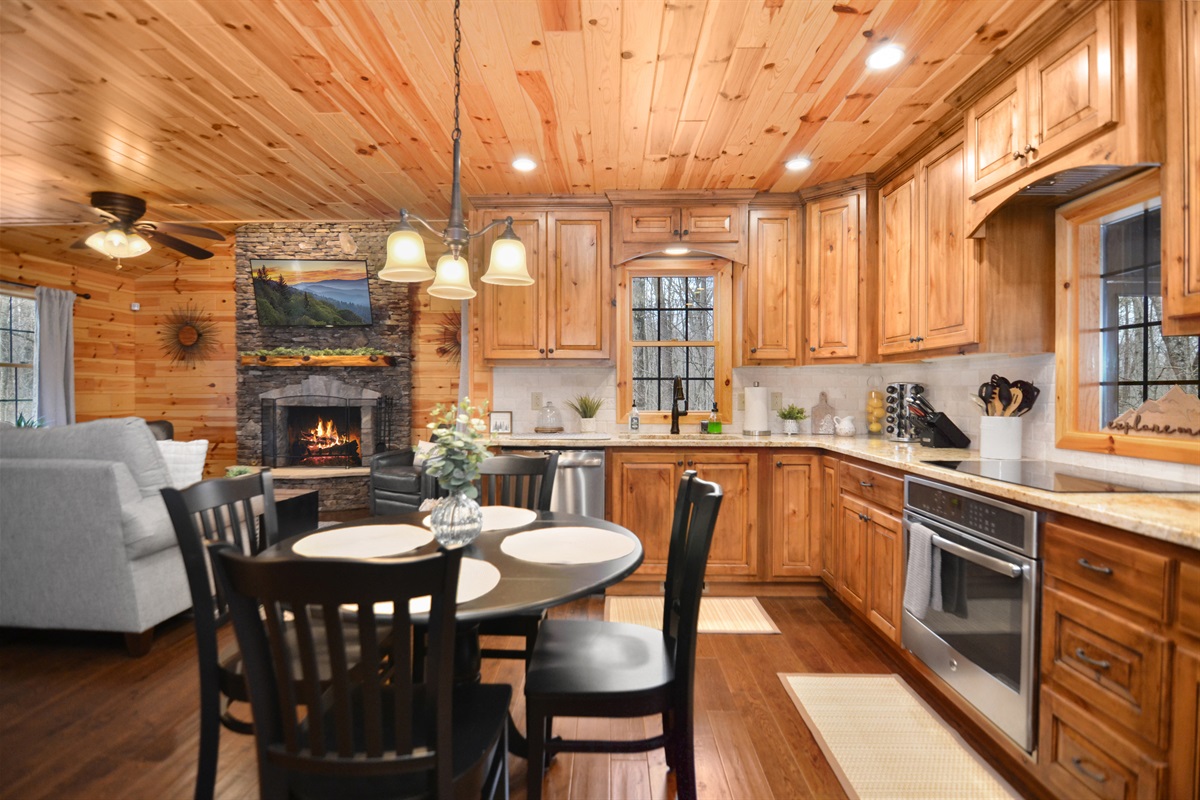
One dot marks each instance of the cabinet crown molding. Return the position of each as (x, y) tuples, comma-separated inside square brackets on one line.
[(676, 196)]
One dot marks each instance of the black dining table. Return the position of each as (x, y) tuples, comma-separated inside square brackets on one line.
[(524, 586)]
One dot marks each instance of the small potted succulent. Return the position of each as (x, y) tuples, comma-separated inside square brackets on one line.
[(586, 406), (791, 415)]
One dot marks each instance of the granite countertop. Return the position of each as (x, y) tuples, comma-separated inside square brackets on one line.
[(1168, 517)]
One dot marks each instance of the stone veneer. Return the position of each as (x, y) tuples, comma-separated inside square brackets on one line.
[(392, 307)]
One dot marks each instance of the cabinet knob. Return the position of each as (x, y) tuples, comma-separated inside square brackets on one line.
[(691, 463), (679, 463), (542, 350), (911, 339), (753, 349), (812, 349), (1018, 155), (778, 464), (919, 339), (551, 349), (1029, 148)]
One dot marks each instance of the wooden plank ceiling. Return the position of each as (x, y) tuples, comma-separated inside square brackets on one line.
[(228, 111)]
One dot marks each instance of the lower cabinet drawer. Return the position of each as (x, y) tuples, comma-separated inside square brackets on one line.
[(1115, 665), (1078, 757), (882, 489)]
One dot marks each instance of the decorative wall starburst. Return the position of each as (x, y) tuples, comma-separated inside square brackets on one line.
[(187, 334)]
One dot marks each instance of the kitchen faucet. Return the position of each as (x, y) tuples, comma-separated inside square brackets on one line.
[(678, 404)]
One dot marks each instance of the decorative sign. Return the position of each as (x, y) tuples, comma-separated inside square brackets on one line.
[(1176, 413)]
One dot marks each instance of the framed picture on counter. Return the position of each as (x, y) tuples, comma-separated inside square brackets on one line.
[(500, 422)]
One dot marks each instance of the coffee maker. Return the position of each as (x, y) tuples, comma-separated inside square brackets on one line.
[(898, 424)]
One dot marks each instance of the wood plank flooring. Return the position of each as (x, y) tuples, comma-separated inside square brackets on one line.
[(81, 719)]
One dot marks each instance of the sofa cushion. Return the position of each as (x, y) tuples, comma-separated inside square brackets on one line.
[(185, 460), (127, 440)]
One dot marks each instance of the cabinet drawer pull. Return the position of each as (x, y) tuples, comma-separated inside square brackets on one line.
[(1098, 777), (1083, 562), (865, 484), (1083, 656)]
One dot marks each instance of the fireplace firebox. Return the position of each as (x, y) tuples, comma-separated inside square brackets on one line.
[(319, 422)]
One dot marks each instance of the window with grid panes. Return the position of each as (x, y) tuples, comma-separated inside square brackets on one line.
[(673, 335), (18, 351)]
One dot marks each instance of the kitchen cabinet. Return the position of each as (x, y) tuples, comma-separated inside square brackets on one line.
[(1185, 732), (649, 222), (871, 545), (852, 553), (830, 517), (568, 312), (769, 289), (1062, 95), (1181, 170), (928, 268), (795, 516), (644, 482), (885, 546), (839, 244)]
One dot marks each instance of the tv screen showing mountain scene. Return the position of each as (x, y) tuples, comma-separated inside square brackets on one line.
[(312, 294)]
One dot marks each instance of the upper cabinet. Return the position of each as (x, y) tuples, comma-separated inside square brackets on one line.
[(1062, 95), (1086, 92), (839, 252), (769, 288), (928, 268), (567, 313), (709, 222), (1181, 171)]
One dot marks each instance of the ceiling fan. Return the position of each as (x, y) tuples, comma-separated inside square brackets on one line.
[(125, 232)]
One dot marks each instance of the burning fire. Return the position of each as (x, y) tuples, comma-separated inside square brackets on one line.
[(324, 436)]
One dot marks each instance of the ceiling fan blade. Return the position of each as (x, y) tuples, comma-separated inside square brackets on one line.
[(167, 240), (184, 230)]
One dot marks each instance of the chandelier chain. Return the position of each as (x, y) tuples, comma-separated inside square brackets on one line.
[(457, 72)]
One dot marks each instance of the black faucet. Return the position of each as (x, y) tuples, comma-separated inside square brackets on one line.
[(678, 404)]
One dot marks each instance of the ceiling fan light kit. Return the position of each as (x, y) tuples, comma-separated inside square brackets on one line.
[(117, 243), (127, 235), (406, 260)]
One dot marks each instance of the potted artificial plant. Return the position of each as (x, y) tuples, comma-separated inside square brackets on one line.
[(586, 406), (791, 415)]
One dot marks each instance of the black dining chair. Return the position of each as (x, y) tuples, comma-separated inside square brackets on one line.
[(368, 731), (240, 511), (591, 668), (524, 481)]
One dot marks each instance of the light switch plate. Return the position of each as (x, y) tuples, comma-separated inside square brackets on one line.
[(535, 401), (739, 401), (776, 401)]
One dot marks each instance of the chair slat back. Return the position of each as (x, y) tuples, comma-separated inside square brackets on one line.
[(525, 481), (673, 584), (366, 716)]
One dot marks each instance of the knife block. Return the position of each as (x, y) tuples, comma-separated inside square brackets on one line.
[(938, 431)]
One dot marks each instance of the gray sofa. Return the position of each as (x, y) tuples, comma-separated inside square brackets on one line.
[(85, 539)]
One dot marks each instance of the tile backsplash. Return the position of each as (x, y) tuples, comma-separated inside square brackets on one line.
[(947, 381)]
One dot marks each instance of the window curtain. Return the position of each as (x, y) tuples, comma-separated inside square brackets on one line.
[(55, 356)]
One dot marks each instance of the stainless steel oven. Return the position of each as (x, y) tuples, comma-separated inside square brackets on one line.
[(971, 596)]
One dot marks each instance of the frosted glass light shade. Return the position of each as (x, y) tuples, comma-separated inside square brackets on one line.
[(507, 266), (453, 281), (116, 243), (406, 261)]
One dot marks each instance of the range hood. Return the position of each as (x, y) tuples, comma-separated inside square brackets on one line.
[(1076, 182)]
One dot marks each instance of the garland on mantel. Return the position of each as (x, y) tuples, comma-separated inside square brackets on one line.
[(312, 351)]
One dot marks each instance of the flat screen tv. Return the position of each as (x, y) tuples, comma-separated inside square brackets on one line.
[(310, 294)]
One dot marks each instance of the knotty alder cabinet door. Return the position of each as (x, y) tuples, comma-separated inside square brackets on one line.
[(852, 554), (770, 288), (830, 517), (1181, 171), (832, 273), (795, 516), (885, 545), (642, 499), (1062, 95), (567, 313)]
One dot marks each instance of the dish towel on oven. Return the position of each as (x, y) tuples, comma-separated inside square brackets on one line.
[(922, 581)]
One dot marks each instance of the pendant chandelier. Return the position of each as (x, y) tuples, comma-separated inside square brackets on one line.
[(406, 260)]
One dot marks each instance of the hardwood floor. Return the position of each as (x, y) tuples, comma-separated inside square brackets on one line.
[(84, 720)]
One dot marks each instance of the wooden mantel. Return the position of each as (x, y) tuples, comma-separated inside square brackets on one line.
[(318, 361)]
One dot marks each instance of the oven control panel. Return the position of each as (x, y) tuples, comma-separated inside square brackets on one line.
[(1003, 523)]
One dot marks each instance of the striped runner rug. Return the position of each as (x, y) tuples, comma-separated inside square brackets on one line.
[(717, 614), (884, 743)]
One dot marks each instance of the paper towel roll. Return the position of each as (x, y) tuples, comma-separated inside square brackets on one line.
[(758, 417)]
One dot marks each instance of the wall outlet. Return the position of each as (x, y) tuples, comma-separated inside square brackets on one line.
[(535, 401), (776, 401), (739, 401)]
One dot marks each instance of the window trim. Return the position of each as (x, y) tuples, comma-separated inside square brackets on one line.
[(19, 291), (1077, 361), (722, 272)]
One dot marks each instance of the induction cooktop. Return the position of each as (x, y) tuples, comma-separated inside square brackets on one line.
[(1051, 477)]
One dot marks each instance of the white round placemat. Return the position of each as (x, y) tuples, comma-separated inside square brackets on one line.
[(475, 579), (500, 518), (567, 545), (363, 541)]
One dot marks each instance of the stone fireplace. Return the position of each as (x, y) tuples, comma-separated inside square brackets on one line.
[(319, 422)]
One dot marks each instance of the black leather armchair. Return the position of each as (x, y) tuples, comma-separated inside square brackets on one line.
[(396, 484)]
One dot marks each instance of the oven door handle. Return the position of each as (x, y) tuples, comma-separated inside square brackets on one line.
[(983, 560)]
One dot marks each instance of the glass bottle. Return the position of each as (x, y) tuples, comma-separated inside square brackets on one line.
[(635, 421), (714, 422)]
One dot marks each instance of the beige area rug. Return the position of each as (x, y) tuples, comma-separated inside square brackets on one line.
[(884, 743), (717, 614)]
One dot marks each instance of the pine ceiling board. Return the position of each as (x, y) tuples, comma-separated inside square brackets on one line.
[(538, 90), (1011, 18), (641, 28), (560, 16), (676, 49), (893, 26), (848, 24), (568, 76), (681, 151), (766, 154), (718, 35), (744, 66), (602, 55)]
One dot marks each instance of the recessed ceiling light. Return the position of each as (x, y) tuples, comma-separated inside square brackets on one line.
[(798, 163), (524, 164), (887, 56)]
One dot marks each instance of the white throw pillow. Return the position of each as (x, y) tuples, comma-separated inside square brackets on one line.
[(185, 460), (423, 451)]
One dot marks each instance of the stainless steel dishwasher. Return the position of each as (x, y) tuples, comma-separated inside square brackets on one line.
[(578, 483)]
